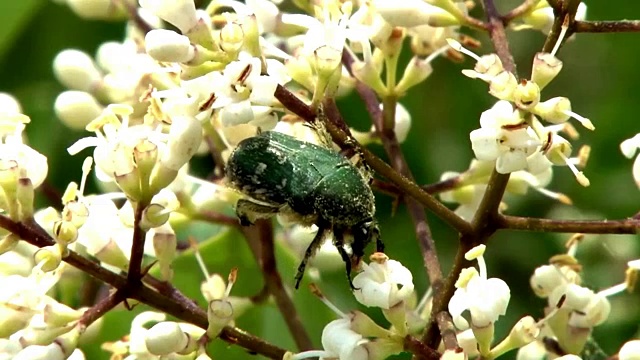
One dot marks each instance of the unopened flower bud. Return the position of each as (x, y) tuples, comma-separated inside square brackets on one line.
[(168, 46), (410, 13), (545, 69), (9, 104), (165, 338), (97, 9), (76, 70), (179, 13), (77, 109)]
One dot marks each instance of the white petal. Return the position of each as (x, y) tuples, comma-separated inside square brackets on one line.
[(484, 142), (511, 161)]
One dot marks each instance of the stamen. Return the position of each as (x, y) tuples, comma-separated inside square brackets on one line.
[(455, 45), (555, 195), (580, 177), (308, 355), (316, 291), (563, 32), (86, 169), (616, 289), (437, 53), (194, 245), (233, 275), (583, 120)]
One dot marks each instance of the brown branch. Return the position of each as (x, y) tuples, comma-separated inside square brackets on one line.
[(623, 226), (260, 239), (448, 331), (102, 307), (299, 108), (420, 350), (606, 26), (499, 36), (172, 304), (137, 246)]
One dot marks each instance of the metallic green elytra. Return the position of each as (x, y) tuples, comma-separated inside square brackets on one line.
[(309, 184)]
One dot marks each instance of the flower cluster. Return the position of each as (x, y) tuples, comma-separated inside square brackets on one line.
[(572, 313), (383, 283)]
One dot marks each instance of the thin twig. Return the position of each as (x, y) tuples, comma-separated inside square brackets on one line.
[(102, 307), (260, 238), (623, 226), (420, 350), (606, 26), (137, 245), (499, 36), (173, 305), (448, 331)]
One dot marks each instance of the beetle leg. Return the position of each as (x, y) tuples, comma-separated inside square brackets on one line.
[(338, 242), (311, 249), (249, 211)]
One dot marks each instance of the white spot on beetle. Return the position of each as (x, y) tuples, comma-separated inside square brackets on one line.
[(260, 168)]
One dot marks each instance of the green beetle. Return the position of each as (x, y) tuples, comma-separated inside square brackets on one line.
[(309, 184)]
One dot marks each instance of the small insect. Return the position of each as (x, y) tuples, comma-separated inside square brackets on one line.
[(308, 184)]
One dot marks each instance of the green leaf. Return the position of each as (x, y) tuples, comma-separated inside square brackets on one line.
[(14, 16)]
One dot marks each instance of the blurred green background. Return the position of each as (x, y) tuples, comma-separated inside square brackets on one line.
[(600, 76)]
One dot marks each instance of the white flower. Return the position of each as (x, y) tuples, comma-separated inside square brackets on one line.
[(486, 299), (503, 137), (339, 341), (587, 309), (383, 283), (547, 278)]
